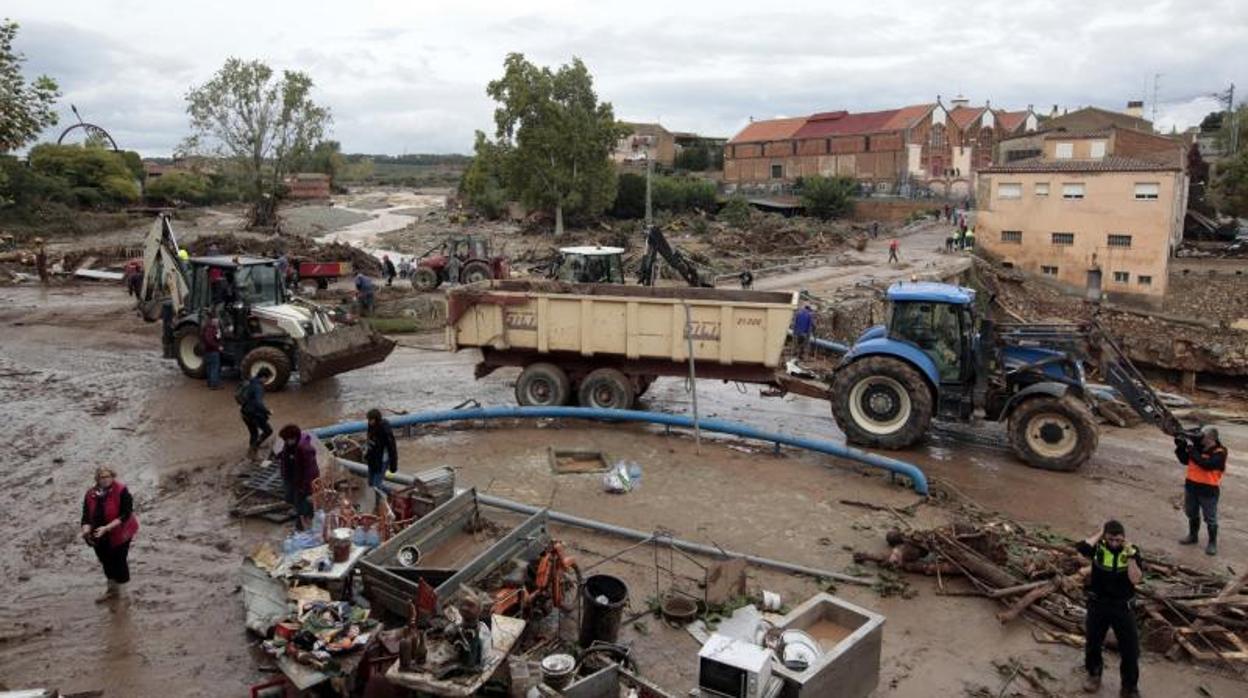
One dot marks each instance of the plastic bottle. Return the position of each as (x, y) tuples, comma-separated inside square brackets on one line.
[(634, 473)]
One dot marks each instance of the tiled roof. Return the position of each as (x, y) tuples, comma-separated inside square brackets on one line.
[(965, 116), (908, 116), (769, 130), (1061, 133), (843, 123), (1106, 164), (1011, 120)]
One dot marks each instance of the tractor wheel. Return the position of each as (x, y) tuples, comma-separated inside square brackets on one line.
[(543, 385), (188, 351), (607, 388), (272, 358), (1053, 433), (881, 402), (425, 279), (474, 272)]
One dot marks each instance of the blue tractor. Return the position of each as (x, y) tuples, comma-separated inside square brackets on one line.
[(936, 359)]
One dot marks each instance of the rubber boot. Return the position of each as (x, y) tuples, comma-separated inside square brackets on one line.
[(1193, 528), (1092, 684), (1212, 547), (108, 595)]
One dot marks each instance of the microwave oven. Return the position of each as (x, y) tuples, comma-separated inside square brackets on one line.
[(735, 668)]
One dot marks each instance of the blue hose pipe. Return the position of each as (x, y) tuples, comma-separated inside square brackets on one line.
[(897, 467)]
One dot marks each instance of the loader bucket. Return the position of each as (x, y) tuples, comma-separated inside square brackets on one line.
[(343, 349)]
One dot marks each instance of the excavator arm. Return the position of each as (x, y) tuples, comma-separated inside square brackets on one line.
[(658, 246), (163, 275)]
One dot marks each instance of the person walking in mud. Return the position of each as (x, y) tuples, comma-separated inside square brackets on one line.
[(1205, 458), (892, 251), (381, 453), (387, 268), (108, 525), (41, 261), (1110, 590), (297, 462), (804, 330), (365, 294), (211, 344), (250, 397)]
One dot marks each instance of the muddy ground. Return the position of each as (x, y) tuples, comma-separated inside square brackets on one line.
[(81, 383)]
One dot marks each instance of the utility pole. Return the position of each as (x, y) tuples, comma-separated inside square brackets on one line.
[(649, 172), (1156, 82)]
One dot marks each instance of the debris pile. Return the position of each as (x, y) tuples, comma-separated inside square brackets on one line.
[(1181, 611), (292, 245)]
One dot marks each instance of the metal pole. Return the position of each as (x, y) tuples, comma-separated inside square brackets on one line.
[(693, 380)]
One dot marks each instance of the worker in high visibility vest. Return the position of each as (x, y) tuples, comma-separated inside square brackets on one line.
[(1117, 567), (1205, 458)]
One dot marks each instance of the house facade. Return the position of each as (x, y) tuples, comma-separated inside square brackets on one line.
[(1087, 214), (645, 141), (890, 151)]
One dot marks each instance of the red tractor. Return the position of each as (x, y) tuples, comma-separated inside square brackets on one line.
[(458, 259)]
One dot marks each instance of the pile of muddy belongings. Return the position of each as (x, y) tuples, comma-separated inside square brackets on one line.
[(1182, 612), (321, 631)]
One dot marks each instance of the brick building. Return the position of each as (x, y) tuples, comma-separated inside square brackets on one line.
[(917, 146), (645, 141), (1096, 209)]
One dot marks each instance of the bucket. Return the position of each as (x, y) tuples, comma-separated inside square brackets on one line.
[(558, 670), (603, 598)]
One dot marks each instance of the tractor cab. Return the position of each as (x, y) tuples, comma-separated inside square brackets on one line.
[(938, 319), (458, 259), (221, 279), (590, 264)]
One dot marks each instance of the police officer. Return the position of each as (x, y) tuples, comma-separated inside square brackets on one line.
[(1116, 569), (1205, 458)]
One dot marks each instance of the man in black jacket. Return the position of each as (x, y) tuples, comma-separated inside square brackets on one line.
[(1205, 458), (1110, 589), (380, 452), (252, 408)]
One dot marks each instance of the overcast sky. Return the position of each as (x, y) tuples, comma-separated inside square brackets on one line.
[(409, 77)]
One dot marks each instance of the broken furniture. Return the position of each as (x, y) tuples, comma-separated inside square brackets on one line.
[(849, 639), (451, 550)]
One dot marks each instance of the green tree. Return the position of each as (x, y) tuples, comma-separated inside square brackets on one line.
[(262, 122), (1230, 191), (482, 183), (326, 158), (25, 110), (630, 196), (95, 176), (736, 212), (178, 187), (695, 158), (555, 137), (828, 197)]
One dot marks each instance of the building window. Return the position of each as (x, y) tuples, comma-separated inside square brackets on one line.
[(1042, 188), (1144, 280), (1064, 239), (1014, 236), (777, 171), (1009, 191), (1119, 240), (1098, 149), (866, 143), (1147, 191), (1072, 191), (1065, 151), (1048, 271), (1122, 277)]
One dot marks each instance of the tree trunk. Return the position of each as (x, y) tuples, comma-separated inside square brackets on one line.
[(558, 219)]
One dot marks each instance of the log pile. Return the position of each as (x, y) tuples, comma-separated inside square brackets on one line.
[(1182, 612)]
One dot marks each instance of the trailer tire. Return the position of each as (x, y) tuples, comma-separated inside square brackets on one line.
[(1053, 433), (607, 388), (881, 402), (425, 279), (475, 271), (188, 351), (643, 383), (543, 385), (275, 359)]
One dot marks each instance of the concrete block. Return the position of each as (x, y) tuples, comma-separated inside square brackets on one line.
[(848, 669)]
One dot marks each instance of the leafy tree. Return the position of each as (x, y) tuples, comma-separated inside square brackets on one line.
[(178, 187), (555, 138), (682, 194), (326, 158), (1230, 190), (25, 110), (95, 176), (1212, 121), (264, 123), (482, 182), (630, 196), (736, 212), (828, 197), (695, 158)]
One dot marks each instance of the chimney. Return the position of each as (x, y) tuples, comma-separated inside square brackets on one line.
[(1054, 112), (1135, 108), (959, 101)]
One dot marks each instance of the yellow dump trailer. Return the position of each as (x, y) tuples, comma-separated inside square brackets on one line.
[(604, 344)]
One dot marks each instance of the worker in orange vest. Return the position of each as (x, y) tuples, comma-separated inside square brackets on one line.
[(1205, 458)]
